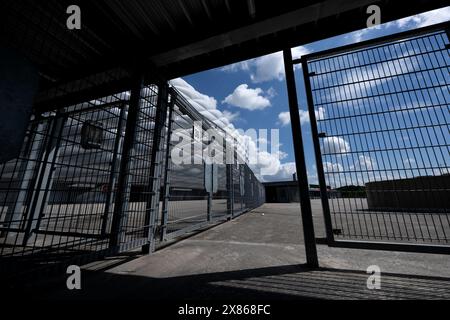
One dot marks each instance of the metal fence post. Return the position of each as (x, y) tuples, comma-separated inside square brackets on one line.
[(113, 174), (152, 206), (124, 181), (27, 172), (229, 172), (233, 165), (318, 156), (39, 197), (241, 186), (210, 193), (229, 180), (166, 187), (305, 203)]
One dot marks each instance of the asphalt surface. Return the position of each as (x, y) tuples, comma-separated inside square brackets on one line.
[(259, 255)]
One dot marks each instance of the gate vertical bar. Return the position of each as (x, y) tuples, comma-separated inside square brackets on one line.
[(210, 192), (318, 156), (241, 187), (230, 187), (234, 161), (113, 173), (166, 188), (305, 203), (152, 206), (27, 171), (229, 177), (56, 143), (124, 182), (45, 176)]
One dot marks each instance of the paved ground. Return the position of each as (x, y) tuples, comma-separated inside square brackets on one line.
[(259, 256)]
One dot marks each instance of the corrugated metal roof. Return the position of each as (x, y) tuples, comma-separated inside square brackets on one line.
[(177, 37)]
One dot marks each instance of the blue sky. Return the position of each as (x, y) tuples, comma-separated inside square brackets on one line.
[(252, 94)]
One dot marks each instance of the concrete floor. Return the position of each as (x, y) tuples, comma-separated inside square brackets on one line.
[(260, 255)]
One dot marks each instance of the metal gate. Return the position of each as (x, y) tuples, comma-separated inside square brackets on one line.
[(380, 119), (186, 204), (84, 183), (96, 178)]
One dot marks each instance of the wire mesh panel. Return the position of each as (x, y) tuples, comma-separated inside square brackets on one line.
[(57, 195), (85, 182), (78, 201), (141, 172), (238, 189), (187, 202), (380, 120), (97, 178), (220, 199)]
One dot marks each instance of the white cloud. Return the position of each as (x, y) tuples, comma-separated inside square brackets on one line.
[(266, 68), (285, 172), (375, 78), (416, 21), (441, 171), (230, 116), (335, 145), (423, 19), (284, 118), (271, 92), (298, 52), (197, 99), (320, 113), (409, 162), (271, 67), (268, 162), (332, 167), (247, 98), (304, 116), (282, 155), (365, 163), (239, 66), (206, 105), (363, 34)]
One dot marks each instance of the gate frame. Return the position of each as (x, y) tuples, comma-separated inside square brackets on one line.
[(312, 259), (354, 244)]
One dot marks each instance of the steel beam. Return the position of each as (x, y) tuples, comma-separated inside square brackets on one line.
[(152, 207), (126, 164), (300, 163), (46, 170), (318, 156), (166, 187), (113, 173), (319, 13)]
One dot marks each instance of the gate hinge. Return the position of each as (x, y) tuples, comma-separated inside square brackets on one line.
[(312, 74), (322, 135)]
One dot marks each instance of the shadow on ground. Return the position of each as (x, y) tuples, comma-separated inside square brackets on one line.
[(271, 283)]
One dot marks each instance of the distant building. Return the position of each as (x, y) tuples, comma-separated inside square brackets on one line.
[(287, 191), (419, 193)]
